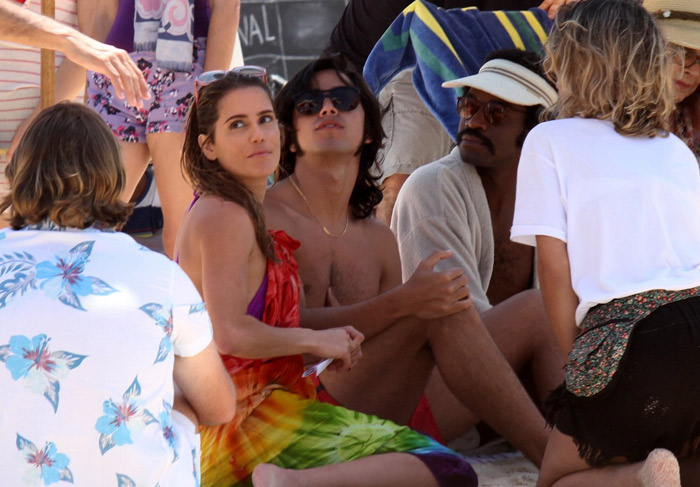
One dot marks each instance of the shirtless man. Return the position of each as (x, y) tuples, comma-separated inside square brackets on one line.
[(332, 131)]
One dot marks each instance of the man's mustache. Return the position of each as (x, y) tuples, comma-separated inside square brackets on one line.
[(478, 135)]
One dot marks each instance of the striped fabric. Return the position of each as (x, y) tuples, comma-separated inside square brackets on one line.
[(444, 45), (20, 79)]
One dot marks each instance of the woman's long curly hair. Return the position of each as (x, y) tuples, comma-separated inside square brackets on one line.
[(610, 62), (209, 176), (366, 194)]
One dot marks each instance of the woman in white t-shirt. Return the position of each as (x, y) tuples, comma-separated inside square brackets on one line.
[(612, 202), (94, 327)]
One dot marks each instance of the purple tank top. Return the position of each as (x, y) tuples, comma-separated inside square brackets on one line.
[(122, 33), (256, 307)]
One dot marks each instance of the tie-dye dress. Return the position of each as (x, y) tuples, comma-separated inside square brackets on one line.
[(279, 421)]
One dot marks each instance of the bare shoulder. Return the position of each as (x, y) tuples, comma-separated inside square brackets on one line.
[(380, 236), (215, 217)]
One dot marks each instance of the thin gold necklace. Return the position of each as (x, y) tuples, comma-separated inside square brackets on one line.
[(325, 230)]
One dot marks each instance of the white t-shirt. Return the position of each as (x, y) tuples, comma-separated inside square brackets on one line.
[(628, 208), (90, 323)]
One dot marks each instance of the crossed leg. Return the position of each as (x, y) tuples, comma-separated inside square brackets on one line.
[(398, 362), (520, 329)]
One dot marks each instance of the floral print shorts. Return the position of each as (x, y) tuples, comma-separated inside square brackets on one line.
[(166, 111)]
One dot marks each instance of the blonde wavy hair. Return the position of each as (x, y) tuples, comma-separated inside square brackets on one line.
[(66, 169), (610, 62)]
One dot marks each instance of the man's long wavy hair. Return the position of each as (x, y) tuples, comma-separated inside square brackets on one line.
[(210, 177), (66, 169), (366, 194), (610, 62)]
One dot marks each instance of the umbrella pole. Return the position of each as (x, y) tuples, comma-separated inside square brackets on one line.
[(48, 65)]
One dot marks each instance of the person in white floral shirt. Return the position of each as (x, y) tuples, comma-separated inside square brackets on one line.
[(93, 326)]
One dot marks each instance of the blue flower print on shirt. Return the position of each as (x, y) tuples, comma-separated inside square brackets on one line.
[(64, 279), (197, 308), (196, 470), (164, 318), (166, 425), (40, 369), (122, 420), (126, 481), (19, 272), (47, 465)]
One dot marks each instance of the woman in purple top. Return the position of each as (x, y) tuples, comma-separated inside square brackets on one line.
[(171, 47)]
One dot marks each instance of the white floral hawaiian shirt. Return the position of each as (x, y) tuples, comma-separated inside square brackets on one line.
[(90, 322)]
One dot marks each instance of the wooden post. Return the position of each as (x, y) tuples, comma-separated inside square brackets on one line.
[(48, 64)]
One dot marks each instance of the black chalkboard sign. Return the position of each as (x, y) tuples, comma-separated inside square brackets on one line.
[(284, 35)]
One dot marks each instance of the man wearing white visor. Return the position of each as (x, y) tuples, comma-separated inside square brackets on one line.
[(464, 202)]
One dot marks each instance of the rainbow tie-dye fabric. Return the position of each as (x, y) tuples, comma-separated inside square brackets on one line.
[(279, 421)]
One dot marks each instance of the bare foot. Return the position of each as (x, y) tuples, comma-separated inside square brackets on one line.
[(268, 475), (660, 470)]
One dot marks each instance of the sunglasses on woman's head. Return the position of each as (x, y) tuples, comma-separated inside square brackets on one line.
[(209, 77), (493, 111), (344, 98)]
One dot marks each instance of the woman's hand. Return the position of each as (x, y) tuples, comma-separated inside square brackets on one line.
[(342, 344)]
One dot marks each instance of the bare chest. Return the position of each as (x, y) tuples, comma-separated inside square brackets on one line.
[(348, 265), (513, 267)]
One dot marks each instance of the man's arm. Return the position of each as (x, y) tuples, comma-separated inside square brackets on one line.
[(428, 294), (560, 300), (439, 210), (31, 29)]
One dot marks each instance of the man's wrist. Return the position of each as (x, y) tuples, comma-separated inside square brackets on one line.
[(397, 305)]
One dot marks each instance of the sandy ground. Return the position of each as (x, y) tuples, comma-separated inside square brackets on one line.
[(510, 469), (497, 464)]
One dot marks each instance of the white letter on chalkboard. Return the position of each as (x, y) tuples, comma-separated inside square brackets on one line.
[(254, 30), (243, 31), (268, 37)]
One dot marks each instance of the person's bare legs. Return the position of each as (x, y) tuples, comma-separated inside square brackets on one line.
[(562, 467), (174, 191), (388, 469), (520, 329), (396, 365), (135, 157), (477, 373), (391, 377), (390, 189)]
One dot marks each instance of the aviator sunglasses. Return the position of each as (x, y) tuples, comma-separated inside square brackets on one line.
[(344, 98), (493, 111), (688, 57), (209, 77)]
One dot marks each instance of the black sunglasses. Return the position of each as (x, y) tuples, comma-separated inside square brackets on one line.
[(493, 111), (208, 77), (344, 98)]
